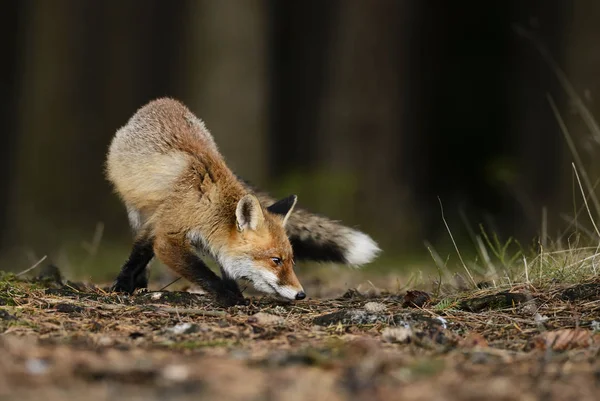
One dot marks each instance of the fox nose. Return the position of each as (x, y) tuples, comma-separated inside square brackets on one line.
[(300, 295)]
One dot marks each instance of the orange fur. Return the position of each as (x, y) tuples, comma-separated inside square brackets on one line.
[(167, 169)]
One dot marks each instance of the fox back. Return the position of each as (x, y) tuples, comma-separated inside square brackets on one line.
[(149, 154)]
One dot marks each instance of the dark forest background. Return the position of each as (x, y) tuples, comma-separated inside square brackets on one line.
[(368, 110)]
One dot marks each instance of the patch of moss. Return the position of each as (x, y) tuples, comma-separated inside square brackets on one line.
[(10, 290), (6, 277), (24, 323)]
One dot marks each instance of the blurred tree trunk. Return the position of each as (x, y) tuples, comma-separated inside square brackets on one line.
[(540, 148), (361, 123), (9, 70), (225, 79), (45, 168), (485, 140), (87, 66), (298, 64)]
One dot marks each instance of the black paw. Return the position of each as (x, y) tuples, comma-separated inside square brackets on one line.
[(230, 285), (123, 284), (140, 281), (229, 294), (231, 299)]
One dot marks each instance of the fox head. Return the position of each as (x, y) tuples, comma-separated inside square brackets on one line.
[(259, 249)]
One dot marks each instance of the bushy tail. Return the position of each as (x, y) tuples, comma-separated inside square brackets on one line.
[(318, 238)]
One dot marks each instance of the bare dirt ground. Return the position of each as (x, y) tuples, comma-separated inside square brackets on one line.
[(70, 341)]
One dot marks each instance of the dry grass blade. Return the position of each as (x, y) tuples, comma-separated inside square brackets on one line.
[(569, 139), (586, 205), (585, 113), (32, 267), (456, 246), (170, 284)]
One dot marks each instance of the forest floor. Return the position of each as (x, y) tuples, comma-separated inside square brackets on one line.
[(74, 341)]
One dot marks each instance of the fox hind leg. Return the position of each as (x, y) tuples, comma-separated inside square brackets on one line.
[(133, 273)]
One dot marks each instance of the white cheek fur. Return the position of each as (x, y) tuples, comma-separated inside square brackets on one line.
[(244, 267), (262, 279)]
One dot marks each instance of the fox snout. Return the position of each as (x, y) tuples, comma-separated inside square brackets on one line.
[(290, 292), (288, 286)]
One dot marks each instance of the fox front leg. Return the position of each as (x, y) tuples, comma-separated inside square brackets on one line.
[(177, 254)]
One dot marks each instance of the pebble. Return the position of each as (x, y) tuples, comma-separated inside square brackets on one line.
[(375, 307), (266, 319), (397, 334), (183, 328), (176, 373), (36, 366)]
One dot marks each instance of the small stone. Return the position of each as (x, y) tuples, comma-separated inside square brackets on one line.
[(443, 321), (375, 307), (183, 328), (266, 319), (105, 341), (176, 373), (540, 318), (397, 334), (36, 366), (530, 308)]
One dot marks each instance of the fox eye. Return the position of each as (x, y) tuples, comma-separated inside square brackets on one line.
[(277, 261)]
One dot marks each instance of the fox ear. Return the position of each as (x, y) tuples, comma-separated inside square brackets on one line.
[(284, 207), (248, 213)]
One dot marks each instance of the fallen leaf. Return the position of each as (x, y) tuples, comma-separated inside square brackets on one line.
[(415, 298), (565, 339), (472, 340)]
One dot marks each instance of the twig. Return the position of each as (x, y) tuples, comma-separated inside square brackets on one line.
[(172, 282), (32, 267), (92, 247)]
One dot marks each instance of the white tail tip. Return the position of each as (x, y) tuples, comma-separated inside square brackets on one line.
[(361, 249)]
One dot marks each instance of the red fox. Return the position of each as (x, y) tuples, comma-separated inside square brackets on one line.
[(183, 202)]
